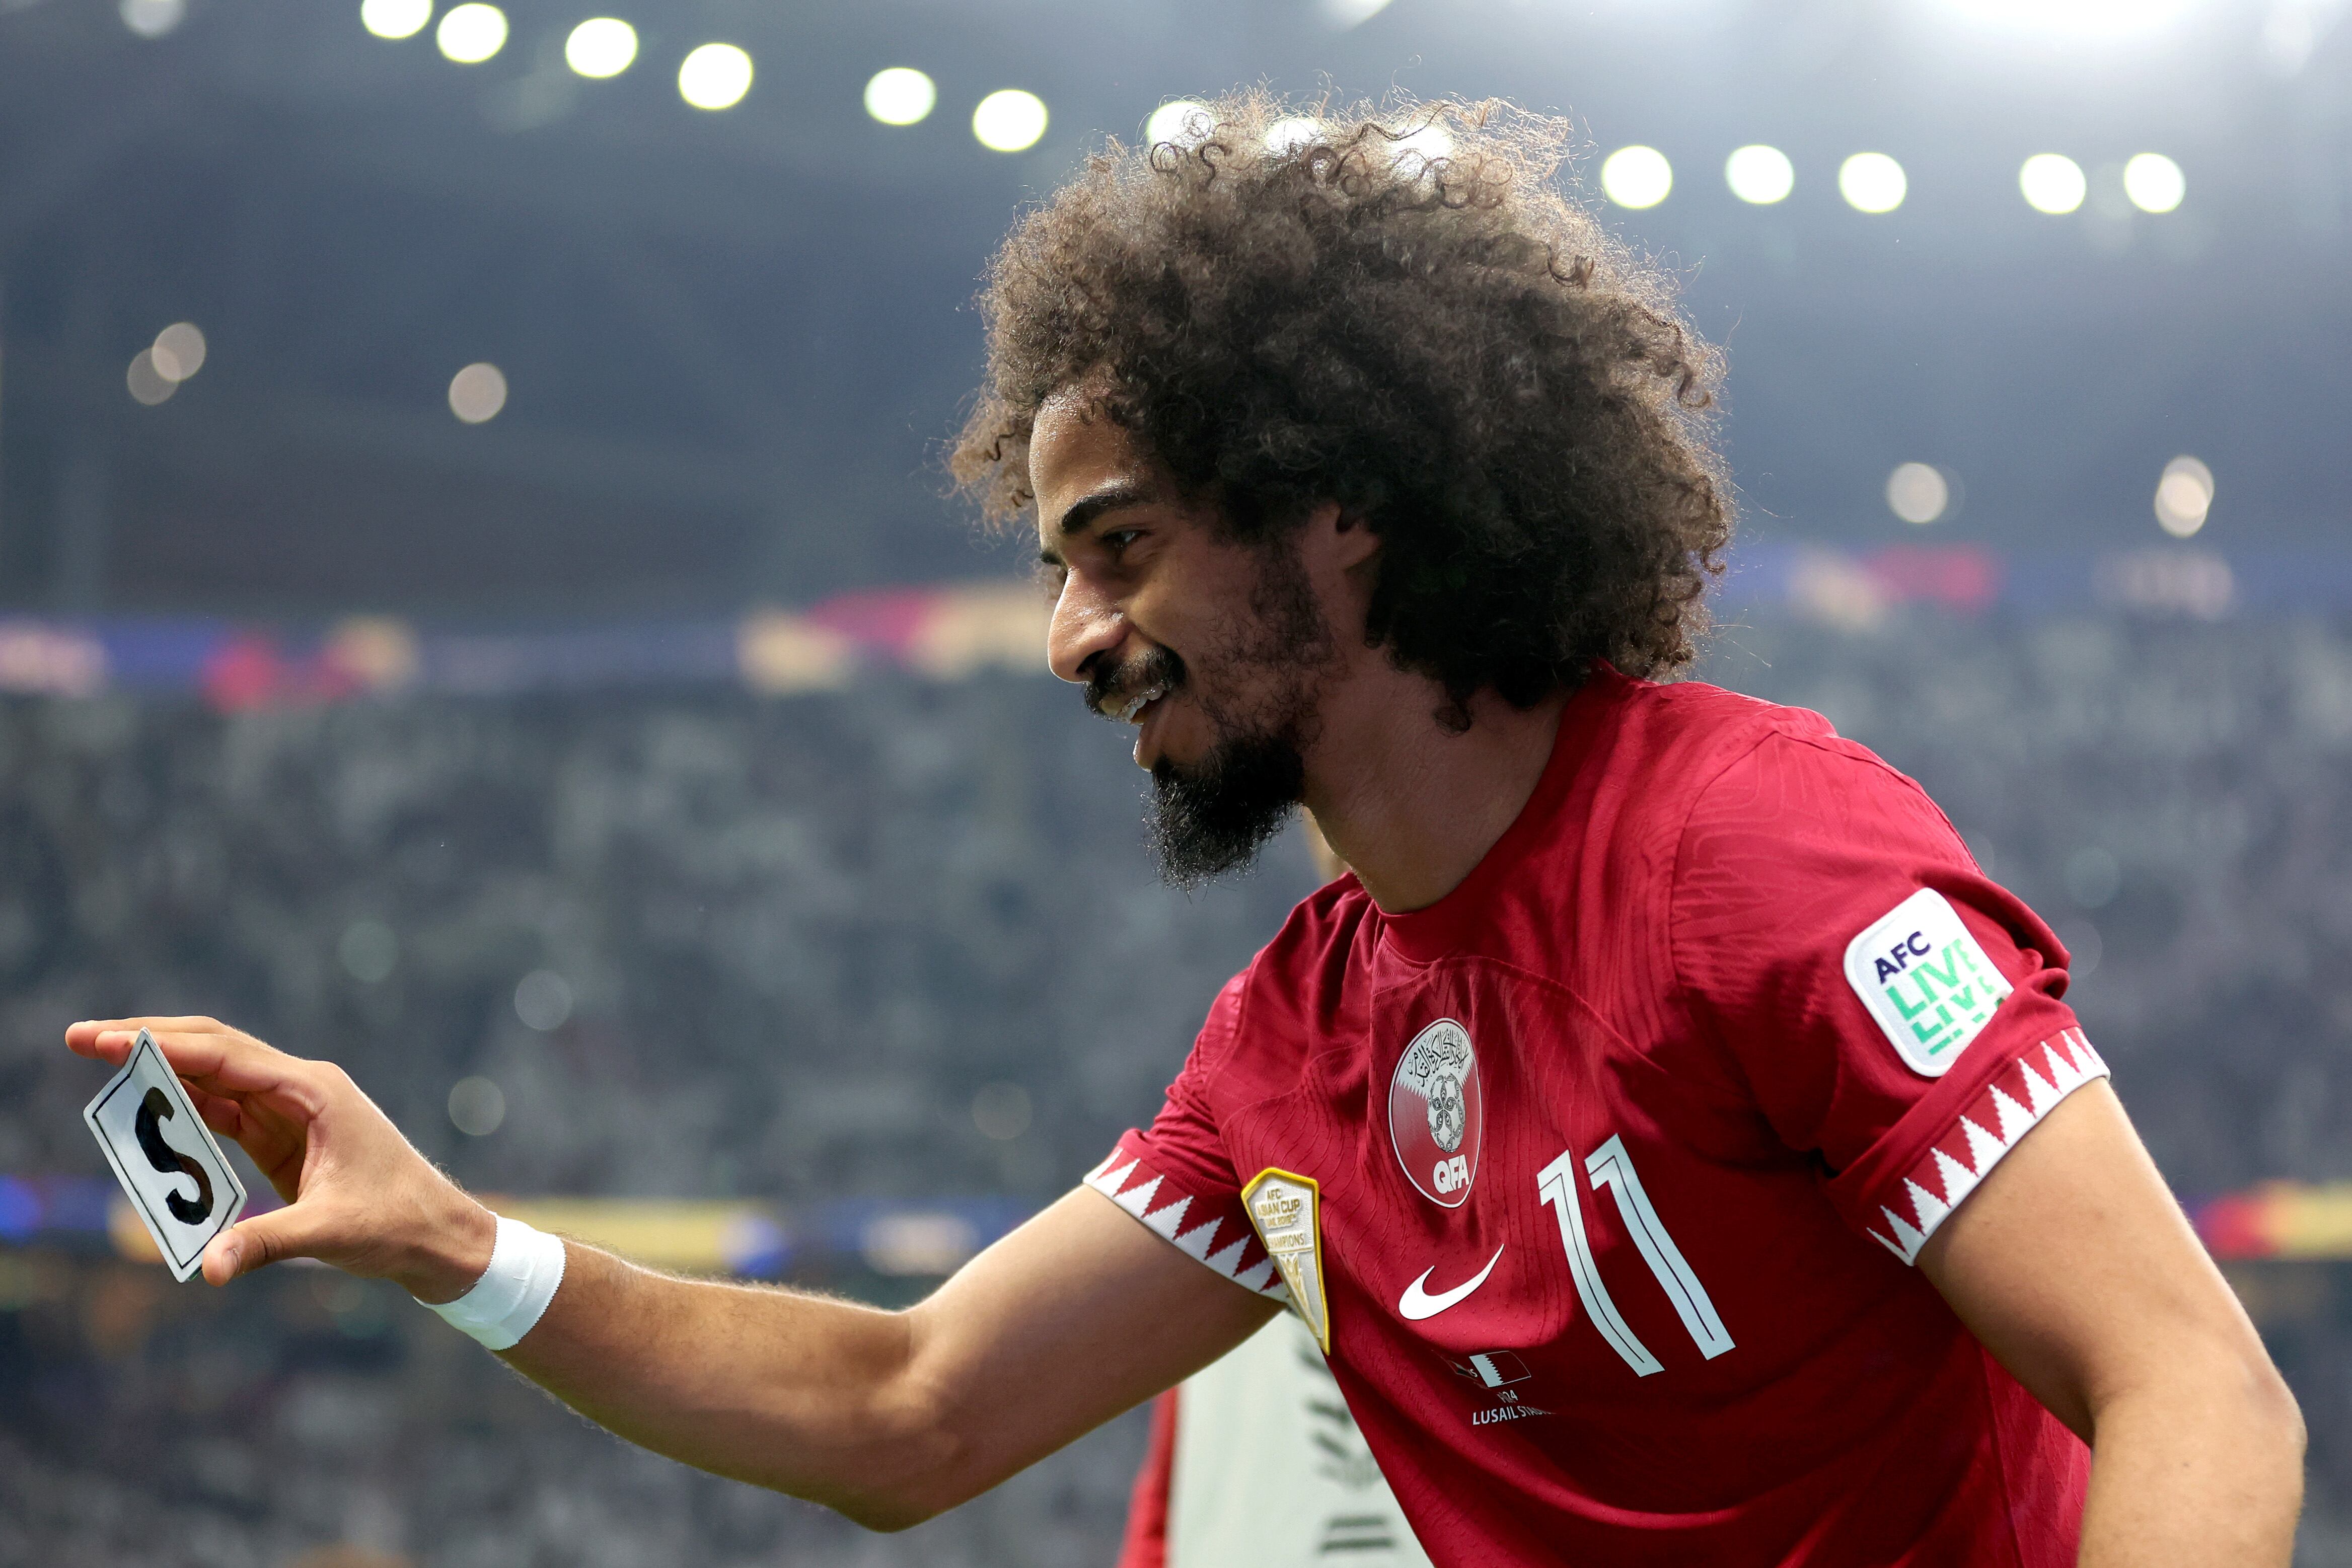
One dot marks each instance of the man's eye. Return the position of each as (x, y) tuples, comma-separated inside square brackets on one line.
[(1118, 539)]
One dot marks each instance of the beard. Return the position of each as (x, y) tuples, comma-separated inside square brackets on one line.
[(1211, 817), (1214, 816)]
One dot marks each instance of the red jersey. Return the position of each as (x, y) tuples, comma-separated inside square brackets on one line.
[(1607, 1171)]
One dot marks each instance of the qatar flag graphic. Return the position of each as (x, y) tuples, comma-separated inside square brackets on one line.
[(1437, 1119)]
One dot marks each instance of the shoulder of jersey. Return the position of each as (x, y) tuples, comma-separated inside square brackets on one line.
[(1715, 711), (1675, 736)]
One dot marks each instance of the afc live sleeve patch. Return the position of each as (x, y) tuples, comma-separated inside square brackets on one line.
[(1926, 983)]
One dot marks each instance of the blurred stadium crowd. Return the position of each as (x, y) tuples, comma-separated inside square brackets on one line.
[(903, 939)]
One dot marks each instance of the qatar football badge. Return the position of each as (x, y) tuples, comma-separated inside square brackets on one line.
[(1437, 1119), (1283, 1206)]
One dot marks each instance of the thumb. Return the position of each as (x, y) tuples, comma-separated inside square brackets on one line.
[(255, 1243)]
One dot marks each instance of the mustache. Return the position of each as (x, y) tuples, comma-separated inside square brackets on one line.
[(1110, 688)]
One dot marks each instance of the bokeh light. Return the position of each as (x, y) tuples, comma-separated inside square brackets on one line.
[(1873, 183), (369, 951), (153, 18), (148, 384), (542, 999), (471, 33), (1759, 175), (396, 18), (1180, 120), (1918, 492), (1636, 176), (1290, 134), (2184, 495), (601, 46), (178, 352), (2052, 182), (1002, 1110), (900, 96), (1424, 144), (477, 1107), (2154, 183), (715, 76), (2088, 19), (1009, 121), (477, 392)]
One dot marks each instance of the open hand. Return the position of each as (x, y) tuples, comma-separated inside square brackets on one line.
[(358, 1195)]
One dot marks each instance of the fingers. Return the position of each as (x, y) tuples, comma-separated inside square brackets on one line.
[(226, 1117), (205, 1052), (257, 1242), (112, 1038)]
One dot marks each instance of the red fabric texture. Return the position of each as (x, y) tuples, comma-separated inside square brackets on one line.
[(1696, 1338)]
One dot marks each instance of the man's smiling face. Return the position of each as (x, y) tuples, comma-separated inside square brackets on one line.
[(1214, 648)]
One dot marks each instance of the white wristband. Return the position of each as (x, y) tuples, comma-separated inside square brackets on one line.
[(526, 1266)]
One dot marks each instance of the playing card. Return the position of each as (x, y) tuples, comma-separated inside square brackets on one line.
[(165, 1158)]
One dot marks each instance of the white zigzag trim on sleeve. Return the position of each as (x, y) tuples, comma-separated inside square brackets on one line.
[(1224, 1242), (2011, 1106)]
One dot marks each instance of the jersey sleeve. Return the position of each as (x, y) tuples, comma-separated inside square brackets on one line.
[(1176, 1177), (1892, 1010)]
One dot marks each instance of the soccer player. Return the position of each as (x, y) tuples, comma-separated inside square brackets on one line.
[(1666, 1062)]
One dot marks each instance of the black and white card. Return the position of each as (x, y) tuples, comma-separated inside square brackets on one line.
[(165, 1158)]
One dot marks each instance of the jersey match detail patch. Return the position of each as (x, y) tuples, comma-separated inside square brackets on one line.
[(2012, 1106), (1219, 1235), (1925, 981)]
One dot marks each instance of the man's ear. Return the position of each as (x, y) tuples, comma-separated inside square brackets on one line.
[(1348, 536)]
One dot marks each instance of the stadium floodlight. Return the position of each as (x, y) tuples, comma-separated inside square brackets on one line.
[(2184, 495), (1424, 145), (178, 352), (2077, 18), (1009, 121), (471, 33), (148, 384), (477, 392), (1759, 175), (1918, 492), (1292, 134), (396, 18), (900, 96), (1180, 120), (153, 18), (2052, 182), (1873, 183), (1636, 176), (2154, 183), (714, 76), (601, 46)]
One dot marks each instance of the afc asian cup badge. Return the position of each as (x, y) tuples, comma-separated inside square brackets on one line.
[(1286, 1210), (1437, 1118)]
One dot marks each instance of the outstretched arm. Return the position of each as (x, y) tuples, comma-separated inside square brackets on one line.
[(888, 1417), (2074, 1266)]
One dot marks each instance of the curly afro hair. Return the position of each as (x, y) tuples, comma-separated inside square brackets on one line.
[(1393, 309)]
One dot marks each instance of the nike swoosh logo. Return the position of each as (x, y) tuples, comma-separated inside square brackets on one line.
[(1417, 1303)]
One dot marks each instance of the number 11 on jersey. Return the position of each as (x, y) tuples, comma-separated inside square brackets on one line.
[(1613, 1167)]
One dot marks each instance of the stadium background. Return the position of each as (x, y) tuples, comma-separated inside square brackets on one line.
[(650, 790)]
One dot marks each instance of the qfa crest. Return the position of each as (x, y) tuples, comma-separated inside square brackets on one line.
[(1437, 1119)]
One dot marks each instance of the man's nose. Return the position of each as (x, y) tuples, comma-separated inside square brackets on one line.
[(1087, 627)]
